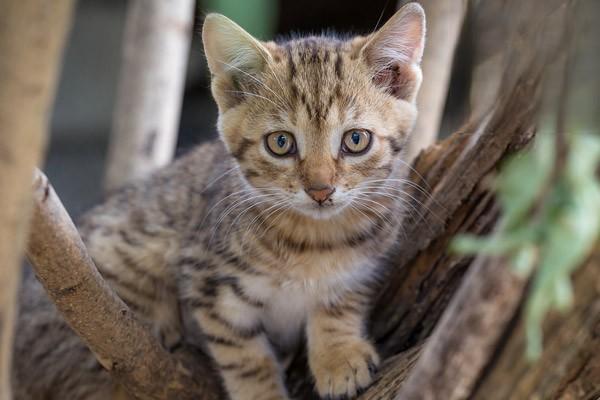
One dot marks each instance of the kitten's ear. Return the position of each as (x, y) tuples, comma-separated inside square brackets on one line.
[(233, 54), (394, 52)]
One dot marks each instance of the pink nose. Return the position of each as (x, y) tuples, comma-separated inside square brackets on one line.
[(320, 194)]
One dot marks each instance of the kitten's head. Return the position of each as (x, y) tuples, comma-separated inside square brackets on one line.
[(317, 122)]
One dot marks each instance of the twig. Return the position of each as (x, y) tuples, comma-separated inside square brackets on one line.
[(92, 309)]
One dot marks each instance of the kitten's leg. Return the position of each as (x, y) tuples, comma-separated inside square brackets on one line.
[(240, 349), (147, 288), (341, 359)]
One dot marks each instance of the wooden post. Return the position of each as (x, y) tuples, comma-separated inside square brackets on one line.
[(32, 36), (156, 46)]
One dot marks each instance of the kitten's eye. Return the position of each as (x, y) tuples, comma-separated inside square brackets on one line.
[(356, 141), (280, 143)]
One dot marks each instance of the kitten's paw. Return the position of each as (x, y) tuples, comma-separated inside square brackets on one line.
[(344, 370)]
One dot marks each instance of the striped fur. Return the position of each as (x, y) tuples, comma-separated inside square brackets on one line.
[(228, 236)]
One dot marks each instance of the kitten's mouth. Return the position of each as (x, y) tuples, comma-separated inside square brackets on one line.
[(323, 210)]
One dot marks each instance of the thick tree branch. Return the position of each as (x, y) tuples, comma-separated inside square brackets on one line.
[(32, 36), (92, 309), (569, 367), (467, 334), (156, 45)]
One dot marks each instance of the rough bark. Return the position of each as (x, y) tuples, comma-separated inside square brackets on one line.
[(444, 24), (570, 364), (32, 35), (156, 45), (92, 309), (467, 333)]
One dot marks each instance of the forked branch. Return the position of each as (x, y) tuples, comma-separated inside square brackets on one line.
[(92, 309)]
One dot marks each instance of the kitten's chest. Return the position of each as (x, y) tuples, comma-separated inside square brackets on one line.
[(290, 301), (285, 315)]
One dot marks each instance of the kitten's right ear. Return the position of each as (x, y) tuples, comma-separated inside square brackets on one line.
[(230, 50)]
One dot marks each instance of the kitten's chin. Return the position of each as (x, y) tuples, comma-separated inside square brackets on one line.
[(317, 212)]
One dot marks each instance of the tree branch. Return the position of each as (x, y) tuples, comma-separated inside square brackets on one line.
[(92, 309), (156, 45), (569, 367), (467, 334), (32, 36)]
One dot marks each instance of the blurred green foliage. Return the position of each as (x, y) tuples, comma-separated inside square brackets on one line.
[(258, 17), (549, 225)]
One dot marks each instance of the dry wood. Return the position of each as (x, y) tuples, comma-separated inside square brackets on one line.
[(32, 35), (467, 334), (444, 24), (92, 309), (570, 365), (156, 45)]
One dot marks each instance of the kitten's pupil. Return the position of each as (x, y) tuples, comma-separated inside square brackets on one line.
[(281, 141), (356, 137)]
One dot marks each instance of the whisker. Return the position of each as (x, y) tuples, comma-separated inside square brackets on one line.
[(229, 171)]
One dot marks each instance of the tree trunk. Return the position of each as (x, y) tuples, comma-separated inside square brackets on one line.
[(32, 36), (146, 121)]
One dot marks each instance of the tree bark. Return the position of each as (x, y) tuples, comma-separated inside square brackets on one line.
[(146, 120), (444, 24), (91, 308), (569, 367), (32, 36)]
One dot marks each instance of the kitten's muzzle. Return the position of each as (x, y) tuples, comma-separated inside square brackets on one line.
[(320, 194)]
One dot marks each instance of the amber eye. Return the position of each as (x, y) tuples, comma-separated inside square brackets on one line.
[(356, 141), (281, 143)]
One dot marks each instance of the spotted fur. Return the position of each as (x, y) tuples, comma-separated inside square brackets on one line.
[(228, 237)]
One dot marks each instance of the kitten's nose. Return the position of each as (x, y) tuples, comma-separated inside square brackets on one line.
[(320, 194)]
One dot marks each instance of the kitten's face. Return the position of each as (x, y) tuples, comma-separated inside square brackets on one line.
[(316, 124)]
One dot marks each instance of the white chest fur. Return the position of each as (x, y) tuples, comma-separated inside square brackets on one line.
[(285, 314), (288, 304)]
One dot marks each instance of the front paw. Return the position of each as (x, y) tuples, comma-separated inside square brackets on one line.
[(343, 369)]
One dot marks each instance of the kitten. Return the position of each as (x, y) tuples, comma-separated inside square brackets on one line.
[(275, 233)]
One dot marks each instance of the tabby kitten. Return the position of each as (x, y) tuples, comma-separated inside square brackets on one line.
[(277, 232)]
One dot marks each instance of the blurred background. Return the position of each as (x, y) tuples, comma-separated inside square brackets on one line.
[(86, 95)]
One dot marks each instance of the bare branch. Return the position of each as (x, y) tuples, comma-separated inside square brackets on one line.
[(144, 134), (92, 309), (32, 36)]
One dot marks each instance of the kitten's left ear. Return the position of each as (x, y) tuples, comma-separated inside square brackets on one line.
[(394, 52)]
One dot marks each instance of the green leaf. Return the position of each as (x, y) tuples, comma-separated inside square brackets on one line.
[(547, 238)]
